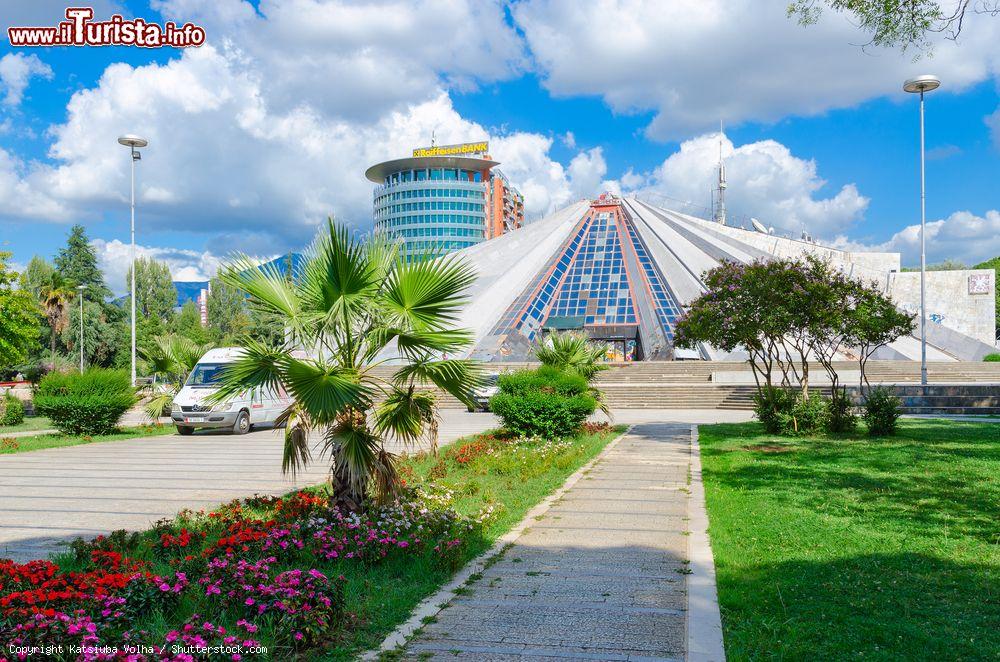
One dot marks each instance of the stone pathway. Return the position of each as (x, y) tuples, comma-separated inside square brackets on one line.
[(601, 576)]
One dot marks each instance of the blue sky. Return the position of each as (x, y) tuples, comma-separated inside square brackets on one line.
[(267, 129)]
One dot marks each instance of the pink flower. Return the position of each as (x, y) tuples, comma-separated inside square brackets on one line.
[(299, 636)]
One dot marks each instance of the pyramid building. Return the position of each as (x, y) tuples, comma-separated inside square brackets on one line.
[(623, 270)]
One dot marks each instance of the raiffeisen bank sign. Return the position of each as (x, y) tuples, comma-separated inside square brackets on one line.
[(453, 150)]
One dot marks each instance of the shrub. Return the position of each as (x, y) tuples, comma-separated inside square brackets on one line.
[(881, 412), (992, 358), (85, 403), (771, 404), (808, 416), (841, 415), (11, 410), (544, 402)]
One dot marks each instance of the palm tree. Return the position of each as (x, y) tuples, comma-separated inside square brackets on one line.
[(171, 358), (54, 293), (352, 304), (573, 352)]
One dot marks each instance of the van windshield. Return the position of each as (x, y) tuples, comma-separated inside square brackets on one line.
[(205, 374)]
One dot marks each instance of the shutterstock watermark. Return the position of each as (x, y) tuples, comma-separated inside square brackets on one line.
[(79, 29)]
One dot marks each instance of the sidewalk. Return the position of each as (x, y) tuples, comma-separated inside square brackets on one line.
[(603, 575)]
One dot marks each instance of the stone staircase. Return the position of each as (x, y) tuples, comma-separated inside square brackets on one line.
[(689, 385)]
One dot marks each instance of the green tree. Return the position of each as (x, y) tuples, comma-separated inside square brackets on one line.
[(38, 272), (226, 307), (898, 23), (155, 294), (188, 324), (101, 335), (18, 317), (77, 263), (353, 302), (55, 295)]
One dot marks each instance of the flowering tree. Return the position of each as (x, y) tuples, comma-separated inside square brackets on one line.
[(784, 312)]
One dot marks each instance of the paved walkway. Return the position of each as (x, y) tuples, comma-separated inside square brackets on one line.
[(601, 576), (51, 496)]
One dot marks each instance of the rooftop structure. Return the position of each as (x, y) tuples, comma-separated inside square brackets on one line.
[(622, 271), (444, 198)]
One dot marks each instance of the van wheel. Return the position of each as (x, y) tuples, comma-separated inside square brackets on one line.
[(242, 424), (184, 431)]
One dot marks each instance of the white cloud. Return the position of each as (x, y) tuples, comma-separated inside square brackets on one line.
[(16, 71), (360, 60), (765, 180), (185, 265), (962, 236), (221, 160), (694, 62)]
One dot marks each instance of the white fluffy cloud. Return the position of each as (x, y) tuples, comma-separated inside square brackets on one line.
[(16, 71), (694, 62), (185, 265), (765, 181), (962, 236)]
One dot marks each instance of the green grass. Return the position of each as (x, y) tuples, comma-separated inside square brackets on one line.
[(40, 441), (381, 595), (30, 423), (875, 549)]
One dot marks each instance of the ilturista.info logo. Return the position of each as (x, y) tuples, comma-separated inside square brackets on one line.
[(79, 29)]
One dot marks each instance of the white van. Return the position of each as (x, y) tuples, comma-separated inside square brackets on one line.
[(239, 414)]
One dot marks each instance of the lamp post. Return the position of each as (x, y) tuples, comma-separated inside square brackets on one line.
[(132, 142), (80, 289), (920, 85)]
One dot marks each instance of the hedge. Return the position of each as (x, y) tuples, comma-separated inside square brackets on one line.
[(85, 403)]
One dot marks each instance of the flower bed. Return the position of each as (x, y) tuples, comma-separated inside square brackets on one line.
[(291, 575)]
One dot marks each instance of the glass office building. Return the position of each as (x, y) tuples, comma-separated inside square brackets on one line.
[(438, 204)]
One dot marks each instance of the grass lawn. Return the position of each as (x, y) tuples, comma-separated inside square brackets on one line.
[(30, 423), (484, 478), (38, 442), (830, 549)]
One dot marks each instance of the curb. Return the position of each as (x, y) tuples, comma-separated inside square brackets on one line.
[(433, 604), (704, 622)]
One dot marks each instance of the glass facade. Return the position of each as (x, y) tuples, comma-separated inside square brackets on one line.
[(589, 282), (432, 209)]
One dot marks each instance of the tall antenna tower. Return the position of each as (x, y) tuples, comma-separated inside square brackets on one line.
[(720, 198)]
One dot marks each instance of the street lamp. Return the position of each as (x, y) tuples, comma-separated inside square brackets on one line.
[(133, 141), (919, 85), (80, 289)]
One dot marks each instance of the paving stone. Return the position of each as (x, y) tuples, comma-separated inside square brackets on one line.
[(598, 577)]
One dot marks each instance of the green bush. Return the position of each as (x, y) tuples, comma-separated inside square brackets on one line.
[(992, 358), (11, 410), (881, 412), (544, 402), (85, 403), (808, 416), (771, 405), (841, 413)]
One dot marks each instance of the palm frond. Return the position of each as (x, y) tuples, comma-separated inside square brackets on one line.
[(295, 454), (427, 295), (354, 450), (416, 343), (268, 288), (338, 279), (455, 376), (325, 390), (259, 366), (408, 415)]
